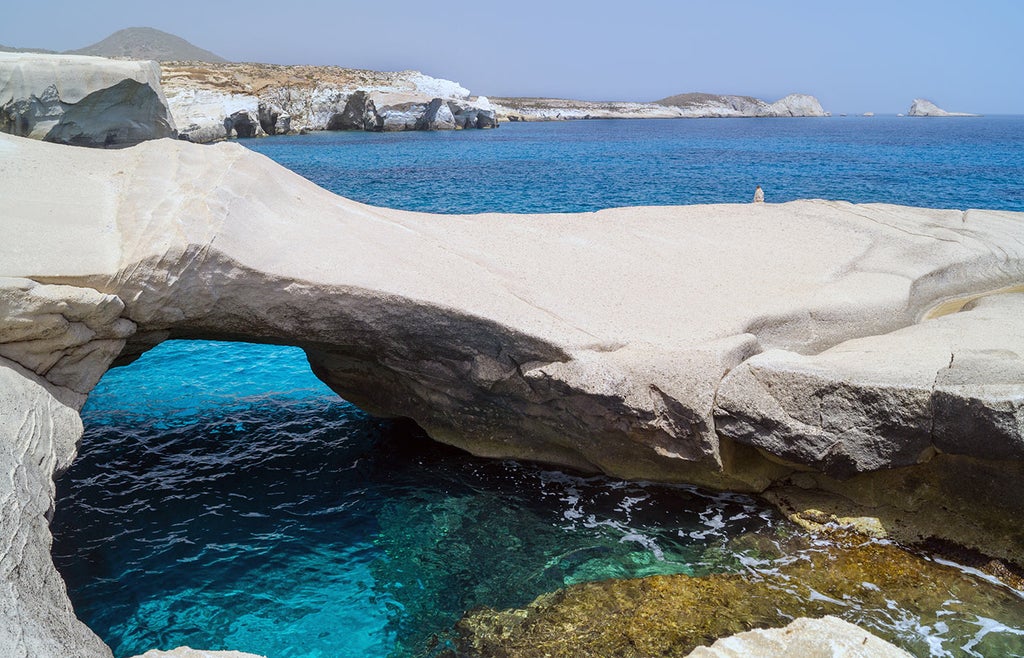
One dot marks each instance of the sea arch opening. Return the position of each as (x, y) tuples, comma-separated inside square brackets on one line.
[(222, 492)]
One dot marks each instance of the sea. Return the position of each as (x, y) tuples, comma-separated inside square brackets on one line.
[(223, 498)]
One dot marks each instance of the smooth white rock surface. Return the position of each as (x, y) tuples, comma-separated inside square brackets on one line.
[(828, 637), (593, 340)]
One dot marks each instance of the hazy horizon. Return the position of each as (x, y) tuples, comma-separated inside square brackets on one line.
[(868, 56)]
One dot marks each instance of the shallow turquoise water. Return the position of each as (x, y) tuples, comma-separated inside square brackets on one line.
[(247, 507), (225, 499)]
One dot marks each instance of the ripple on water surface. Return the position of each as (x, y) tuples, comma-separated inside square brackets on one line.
[(205, 511)]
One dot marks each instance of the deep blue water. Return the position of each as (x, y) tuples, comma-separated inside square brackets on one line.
[(224, 498), (969, 162)]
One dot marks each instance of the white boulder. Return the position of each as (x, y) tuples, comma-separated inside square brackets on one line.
[(85, 101)]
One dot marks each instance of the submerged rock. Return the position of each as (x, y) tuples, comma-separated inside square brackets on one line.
[(674, 615), (84, 101)]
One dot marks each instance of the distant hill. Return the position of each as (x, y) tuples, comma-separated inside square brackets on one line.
[(148, 43)]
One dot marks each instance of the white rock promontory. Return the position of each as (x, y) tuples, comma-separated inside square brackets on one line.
[(85, 101), (662, 343)]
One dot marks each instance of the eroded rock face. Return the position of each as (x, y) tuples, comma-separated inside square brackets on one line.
[(56, 342), (84, 101), (890, 400)]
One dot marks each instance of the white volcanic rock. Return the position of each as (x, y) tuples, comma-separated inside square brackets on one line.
[(601, 311), (796, 105), (188, 652), (925, 108), (592, 340), (56, 342), (85, 101), (889, 400), (202, 115), (828, 637), (685, 106), (437, 116)]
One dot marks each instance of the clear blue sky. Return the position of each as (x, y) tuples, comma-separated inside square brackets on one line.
[(854, 55)]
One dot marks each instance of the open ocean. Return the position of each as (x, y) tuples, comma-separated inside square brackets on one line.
[(225, 499)]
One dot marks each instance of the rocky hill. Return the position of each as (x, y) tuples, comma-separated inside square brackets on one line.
[(148, 43)]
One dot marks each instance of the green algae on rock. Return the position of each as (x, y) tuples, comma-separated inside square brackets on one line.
[(911, 601)]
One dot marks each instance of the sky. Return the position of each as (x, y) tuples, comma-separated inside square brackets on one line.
[(855, 55)]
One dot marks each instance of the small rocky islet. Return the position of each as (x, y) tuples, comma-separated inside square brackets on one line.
[(829, 406)]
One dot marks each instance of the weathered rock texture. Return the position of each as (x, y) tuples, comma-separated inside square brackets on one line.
[(689, 106), (654, 343), (827, 637), (187, 652), (202, 96), (925, 108), (85, 101)]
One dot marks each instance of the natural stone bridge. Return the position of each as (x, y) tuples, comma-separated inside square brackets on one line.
[(763, 348)]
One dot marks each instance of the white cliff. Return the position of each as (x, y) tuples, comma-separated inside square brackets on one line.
[(284, 99), (681, 106), (85, 101)]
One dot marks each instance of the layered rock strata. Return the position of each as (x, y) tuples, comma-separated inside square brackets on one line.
[(85, 101), (683, 344), (681, 106)]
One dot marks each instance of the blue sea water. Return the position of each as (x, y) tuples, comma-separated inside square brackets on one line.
[(224, 498)]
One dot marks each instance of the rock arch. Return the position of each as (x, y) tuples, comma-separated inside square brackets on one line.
[(600, 341)]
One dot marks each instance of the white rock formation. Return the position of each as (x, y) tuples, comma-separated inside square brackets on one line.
[(828, 637), (85, 101), (684, 106), (188, 652), (925, 108), (889, 400), (597, 340), (201, 114)]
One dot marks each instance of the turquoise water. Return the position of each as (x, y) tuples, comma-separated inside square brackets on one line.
[(224, 498)]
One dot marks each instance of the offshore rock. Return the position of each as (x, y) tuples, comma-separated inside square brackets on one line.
[(925, 108), (84, 101)]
